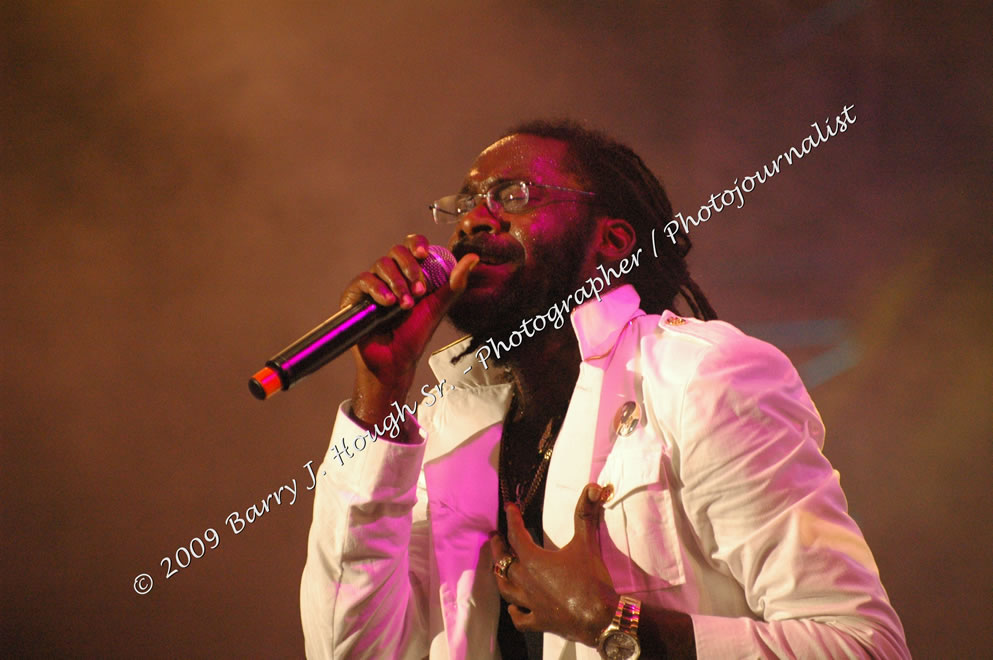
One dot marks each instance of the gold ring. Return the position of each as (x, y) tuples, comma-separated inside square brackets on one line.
[(500, 568)]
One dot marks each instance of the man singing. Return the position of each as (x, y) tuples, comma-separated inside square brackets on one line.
[(595, 476)]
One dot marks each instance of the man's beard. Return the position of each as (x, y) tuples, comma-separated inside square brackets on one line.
[(522, 298)]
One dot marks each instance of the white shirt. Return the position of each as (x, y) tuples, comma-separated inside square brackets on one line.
[(724, 506)]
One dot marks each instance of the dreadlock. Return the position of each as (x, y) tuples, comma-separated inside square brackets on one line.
[(629, 190)]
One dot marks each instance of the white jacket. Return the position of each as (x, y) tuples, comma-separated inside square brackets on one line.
[(724, 506)]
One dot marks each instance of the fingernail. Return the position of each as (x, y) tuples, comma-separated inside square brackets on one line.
[(419, 288), (406, 301), (593, 493), (606, 493)]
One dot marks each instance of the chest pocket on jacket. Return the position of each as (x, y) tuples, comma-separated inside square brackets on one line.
[(641, 549)]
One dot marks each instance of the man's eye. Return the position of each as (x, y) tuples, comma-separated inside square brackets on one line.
[(465, 203), (513, 196)]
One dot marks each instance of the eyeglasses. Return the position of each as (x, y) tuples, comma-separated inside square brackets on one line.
[(509, 196)]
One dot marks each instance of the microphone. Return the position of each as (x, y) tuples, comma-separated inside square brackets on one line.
[(340, 332)]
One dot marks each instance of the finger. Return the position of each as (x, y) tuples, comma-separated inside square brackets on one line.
[(589, 511), (510, 592), (388, 271), (498, 547), (370, 285), (410, 267), (499, 550), (517, 534), (417, 244)]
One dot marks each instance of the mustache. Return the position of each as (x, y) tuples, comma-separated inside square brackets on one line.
[(488, 248)]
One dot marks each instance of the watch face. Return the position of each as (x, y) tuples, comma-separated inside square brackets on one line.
[(621, 646)]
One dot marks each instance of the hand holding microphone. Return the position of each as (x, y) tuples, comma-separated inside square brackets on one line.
[(415, 280)]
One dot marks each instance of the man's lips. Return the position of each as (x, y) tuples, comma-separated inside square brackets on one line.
[(491, 260), (488, 255), (496, 262), (490, 276)]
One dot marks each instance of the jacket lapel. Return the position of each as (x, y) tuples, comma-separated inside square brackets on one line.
[(461, 478)]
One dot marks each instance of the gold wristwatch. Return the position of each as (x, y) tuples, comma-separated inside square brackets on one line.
[(619, 640)]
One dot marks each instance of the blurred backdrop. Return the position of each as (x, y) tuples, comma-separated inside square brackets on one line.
[(187, 187)]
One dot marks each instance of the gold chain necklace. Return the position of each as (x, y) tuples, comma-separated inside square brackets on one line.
[(545, 447), (547, 442)]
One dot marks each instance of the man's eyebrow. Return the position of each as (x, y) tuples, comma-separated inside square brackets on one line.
[(479, 186)]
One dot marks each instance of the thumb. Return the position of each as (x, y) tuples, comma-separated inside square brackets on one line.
[(589, 511), (459, 278)]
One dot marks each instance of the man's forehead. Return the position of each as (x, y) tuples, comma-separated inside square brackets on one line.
[(530, 157)]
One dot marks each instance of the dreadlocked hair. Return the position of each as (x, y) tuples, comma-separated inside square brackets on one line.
[(627, 189)]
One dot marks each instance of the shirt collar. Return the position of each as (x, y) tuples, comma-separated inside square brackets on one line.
[(597, 324)]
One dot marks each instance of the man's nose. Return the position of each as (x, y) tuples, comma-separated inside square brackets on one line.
[(479, 219)]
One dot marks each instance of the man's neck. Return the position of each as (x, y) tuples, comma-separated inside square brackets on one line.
[(544, 372)]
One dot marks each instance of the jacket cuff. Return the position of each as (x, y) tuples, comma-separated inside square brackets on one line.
[(720, 637), (367, 466)]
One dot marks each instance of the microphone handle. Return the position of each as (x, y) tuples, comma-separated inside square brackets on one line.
[(321, 345)]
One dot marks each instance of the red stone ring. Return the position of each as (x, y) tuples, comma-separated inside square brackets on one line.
[(500, 568)]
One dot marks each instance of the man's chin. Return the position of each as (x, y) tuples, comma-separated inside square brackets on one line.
[(476, 312), (492, 295)]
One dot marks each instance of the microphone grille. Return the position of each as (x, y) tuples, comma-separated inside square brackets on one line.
[(437, 266)]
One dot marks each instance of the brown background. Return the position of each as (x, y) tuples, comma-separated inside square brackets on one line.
[(186, 187)]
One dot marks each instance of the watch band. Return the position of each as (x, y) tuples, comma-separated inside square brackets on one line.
[(625, 625), (628, 613)]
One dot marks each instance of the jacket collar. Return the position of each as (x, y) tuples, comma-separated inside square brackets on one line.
[(599, 323)]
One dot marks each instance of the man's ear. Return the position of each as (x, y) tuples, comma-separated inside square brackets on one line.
[(615, 239)]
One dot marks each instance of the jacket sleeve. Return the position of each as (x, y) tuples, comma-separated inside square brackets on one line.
[(363, 589), (768, 509)]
